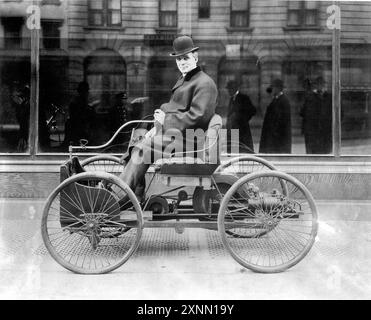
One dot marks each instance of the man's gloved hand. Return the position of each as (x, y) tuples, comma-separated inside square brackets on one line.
[(159, 116)]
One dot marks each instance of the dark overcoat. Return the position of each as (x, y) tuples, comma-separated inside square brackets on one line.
[(192, 104), (241, 110), (317, 123), (276, 131)]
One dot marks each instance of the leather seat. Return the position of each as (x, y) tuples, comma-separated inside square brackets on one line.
[(185, 165)]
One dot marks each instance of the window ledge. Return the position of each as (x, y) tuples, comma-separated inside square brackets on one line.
[(104, 28), (300, 28), (239, 29), (51, 2), (167, 30)]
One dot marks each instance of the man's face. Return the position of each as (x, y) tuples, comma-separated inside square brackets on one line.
[(276, 90), (232, 90), (186, 62)]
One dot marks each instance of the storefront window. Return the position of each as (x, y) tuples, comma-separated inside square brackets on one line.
[(15, 82), (111, 60), (355, 78)]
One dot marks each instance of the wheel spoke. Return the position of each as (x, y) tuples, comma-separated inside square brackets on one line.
[(96, 243), (283, 227)]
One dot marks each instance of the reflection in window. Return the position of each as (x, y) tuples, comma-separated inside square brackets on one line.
[(162, 75), (239, 99), (308, 84), (15, 70), (302, 13), (168, 14), (105, 72), (355, 78), (105, 13), (355, 103), (239, 13)]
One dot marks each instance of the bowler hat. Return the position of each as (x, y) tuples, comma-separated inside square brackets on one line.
[(232, 84), (122, 95), (276, 83), (183, 45)]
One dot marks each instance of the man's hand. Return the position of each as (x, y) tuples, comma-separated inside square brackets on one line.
[(159, 116)]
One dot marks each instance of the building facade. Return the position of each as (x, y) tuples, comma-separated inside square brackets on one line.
[(124, 45)]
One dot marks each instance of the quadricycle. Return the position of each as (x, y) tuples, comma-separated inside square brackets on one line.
[(92, 222)]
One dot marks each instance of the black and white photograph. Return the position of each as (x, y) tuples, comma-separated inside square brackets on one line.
[(180, 150)]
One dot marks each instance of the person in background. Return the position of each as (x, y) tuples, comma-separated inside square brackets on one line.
[(310, 112), (240, 111), (276, 131), (20, 98), (81, 116), (325, 116), (120, 113)]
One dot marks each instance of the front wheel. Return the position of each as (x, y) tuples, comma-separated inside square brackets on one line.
[(276, 229), (92, 223)]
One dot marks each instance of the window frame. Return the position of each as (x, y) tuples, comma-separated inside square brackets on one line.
[(57, 23), (6, 22), (204, 10), (106, 15), (246, 12), (302, 13), (160, 12)]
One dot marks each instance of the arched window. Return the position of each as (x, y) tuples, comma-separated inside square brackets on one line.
[(105, 71), (162, 76)]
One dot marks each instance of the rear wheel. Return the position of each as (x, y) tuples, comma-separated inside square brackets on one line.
[(279, 228), (105, 163), (92, 223)]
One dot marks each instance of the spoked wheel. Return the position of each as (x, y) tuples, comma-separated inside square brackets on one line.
[(105, 163), (92, 223), (284, 224), (238, 167)]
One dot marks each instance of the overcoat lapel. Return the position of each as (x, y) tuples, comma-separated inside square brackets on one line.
[(178, 84)]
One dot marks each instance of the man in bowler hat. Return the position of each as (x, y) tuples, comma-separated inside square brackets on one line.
[(191, 106), (317, 119), (240, 111), (276, 131)]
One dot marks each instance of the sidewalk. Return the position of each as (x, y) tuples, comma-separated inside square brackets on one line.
[(192, 265)]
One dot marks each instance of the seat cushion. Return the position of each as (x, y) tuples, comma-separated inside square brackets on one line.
[(185, 167)]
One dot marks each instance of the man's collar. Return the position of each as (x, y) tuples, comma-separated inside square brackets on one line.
[(278, 95), (191, 73)]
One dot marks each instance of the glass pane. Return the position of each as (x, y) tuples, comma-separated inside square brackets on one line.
[(239, 19), (116, 18), (114, 4), (168, 5), (240, 5), (310, 18), (355, 78), (96, 4), (294, 4), (168, 19), (293, 18), (96, 19), (15, 84), (125, 83), (311, 4)]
